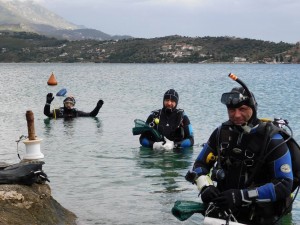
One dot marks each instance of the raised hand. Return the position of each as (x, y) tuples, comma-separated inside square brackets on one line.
[(100, 103), (49, 98)]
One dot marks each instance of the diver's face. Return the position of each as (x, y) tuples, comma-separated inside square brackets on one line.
[(169, 104), (69, 105), (240, 115)]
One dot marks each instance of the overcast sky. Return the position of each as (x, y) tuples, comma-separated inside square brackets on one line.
[(268, 20)]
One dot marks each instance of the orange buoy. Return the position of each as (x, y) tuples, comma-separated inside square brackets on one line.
[(52, 80)]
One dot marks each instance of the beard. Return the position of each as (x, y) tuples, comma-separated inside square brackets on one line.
[(169, 110)]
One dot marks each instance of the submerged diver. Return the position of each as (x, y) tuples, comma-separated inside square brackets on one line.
[(172, 123), (68, 110), (251, 166)]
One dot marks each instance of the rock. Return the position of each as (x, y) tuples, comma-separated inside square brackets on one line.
[(32, 205)]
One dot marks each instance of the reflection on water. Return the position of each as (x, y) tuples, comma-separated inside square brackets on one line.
[(68, 124), (165, 160), (168, 166)]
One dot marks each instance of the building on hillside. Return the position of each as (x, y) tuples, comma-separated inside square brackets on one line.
[(239, 59)]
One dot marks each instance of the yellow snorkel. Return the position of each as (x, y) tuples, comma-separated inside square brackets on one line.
[(54, 113)]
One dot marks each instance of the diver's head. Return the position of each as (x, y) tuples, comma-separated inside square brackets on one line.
[(242, 108), (69, 102), (170, 100)]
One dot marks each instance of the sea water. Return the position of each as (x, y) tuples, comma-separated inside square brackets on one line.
[(96, 166)]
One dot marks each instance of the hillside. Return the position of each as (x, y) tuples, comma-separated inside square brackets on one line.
[(29, 13), (29, 16), (30, 47)]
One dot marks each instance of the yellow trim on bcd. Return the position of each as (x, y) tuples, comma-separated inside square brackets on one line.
[(210, 158)]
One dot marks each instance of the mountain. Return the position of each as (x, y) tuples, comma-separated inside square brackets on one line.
[(29, 16)]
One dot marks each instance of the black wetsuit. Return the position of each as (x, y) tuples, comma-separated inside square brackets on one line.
[(239, 154), (173, 125), (63, 112)]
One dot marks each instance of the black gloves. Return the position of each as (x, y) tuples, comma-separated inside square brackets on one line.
[(41, 177), (209, 193), (100, 103), (229, 199), (49, 98), (33, 177), (191, 176)]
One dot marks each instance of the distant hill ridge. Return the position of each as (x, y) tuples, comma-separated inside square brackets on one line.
[(29, 16), (31, 47)]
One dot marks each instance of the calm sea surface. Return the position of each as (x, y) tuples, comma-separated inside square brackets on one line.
[(96, 166)]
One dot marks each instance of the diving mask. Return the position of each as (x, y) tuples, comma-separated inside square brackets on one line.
[(70, 100), (234, 99)]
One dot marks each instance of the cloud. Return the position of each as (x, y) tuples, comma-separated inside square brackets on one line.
[(260, 19), (37, 1)]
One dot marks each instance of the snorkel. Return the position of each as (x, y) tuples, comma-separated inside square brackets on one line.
[(251, 97)]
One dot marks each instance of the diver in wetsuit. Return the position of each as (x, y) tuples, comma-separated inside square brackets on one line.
[(251, 166), (68, 110), (172, 123)]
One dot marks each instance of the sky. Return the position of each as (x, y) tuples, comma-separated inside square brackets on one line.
[(267, 20)]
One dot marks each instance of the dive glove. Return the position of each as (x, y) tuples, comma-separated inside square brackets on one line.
[(169, 145), (209, 193), (49, 98), (191, 176), (229, 199), (100, 103), (158, 145)]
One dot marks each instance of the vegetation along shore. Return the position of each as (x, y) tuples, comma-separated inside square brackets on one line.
[(31, 47)]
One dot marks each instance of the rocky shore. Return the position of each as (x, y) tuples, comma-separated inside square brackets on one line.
[(32, 205)]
